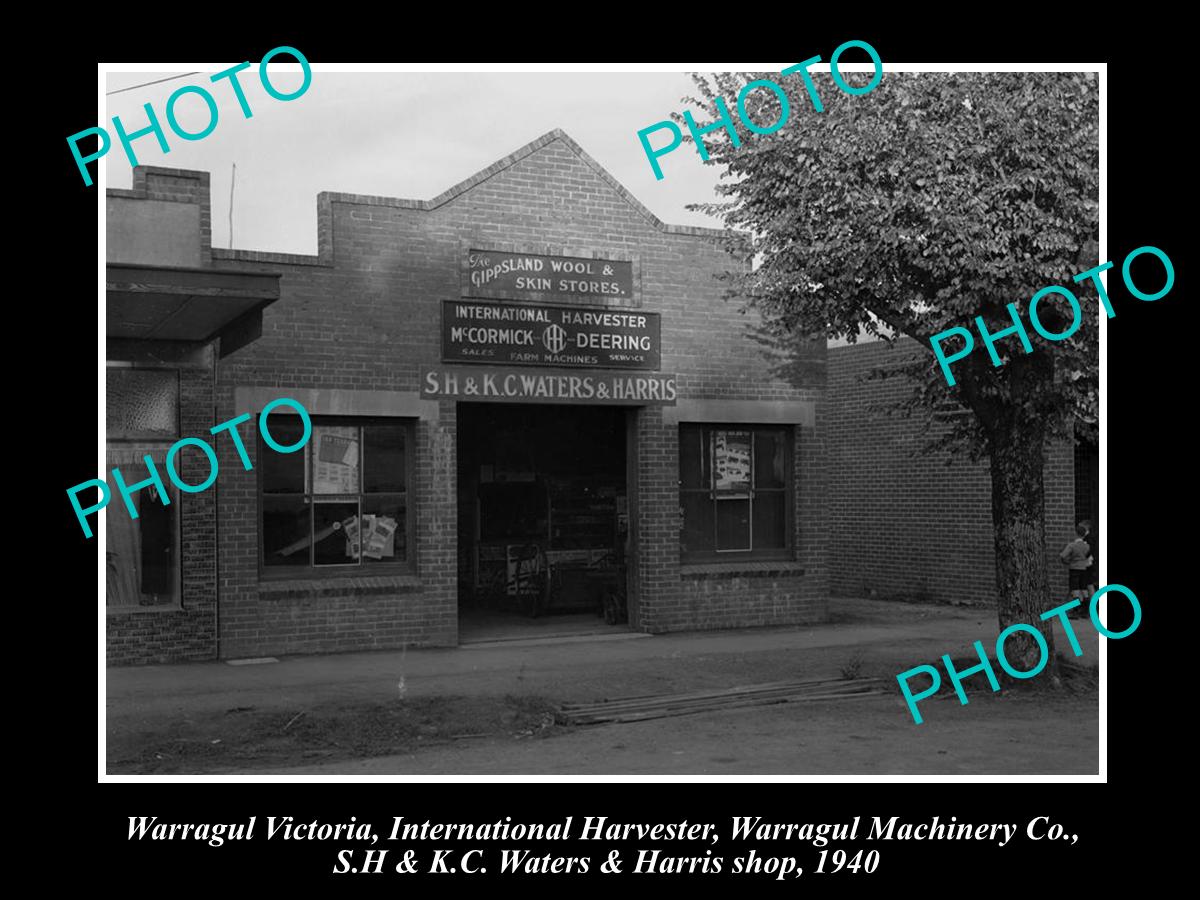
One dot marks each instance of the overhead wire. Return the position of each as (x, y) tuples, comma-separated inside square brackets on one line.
[(148, 83)]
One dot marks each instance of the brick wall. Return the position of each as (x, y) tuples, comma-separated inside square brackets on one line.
[(189, 632), (904, 523), (179, 186), (364, 315)]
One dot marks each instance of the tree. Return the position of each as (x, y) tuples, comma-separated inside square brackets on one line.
[(931, 200)]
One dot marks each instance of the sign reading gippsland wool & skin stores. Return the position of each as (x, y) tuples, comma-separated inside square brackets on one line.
[(537, 335), (534, 276), (505, 385)]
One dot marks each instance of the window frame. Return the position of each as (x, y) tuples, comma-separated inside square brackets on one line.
[(122, 442), (708, 432), (311, 571), (135, 450)]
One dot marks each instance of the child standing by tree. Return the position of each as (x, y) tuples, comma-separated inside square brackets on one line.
[(1077, 556), (1093, 542)]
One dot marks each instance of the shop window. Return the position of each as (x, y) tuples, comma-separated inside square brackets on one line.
[(142, 554), (341, 504), (735, 492)]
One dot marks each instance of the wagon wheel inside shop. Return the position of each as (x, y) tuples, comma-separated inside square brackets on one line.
[(493, 590)]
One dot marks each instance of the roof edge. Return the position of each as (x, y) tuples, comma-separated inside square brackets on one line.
[(512, 159)]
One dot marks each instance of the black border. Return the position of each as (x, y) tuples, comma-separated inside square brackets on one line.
[(1148, 410)]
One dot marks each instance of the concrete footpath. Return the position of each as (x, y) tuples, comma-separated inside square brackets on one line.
[(871, 638)]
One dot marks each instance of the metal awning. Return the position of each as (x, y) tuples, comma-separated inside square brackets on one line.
[(155, 303)]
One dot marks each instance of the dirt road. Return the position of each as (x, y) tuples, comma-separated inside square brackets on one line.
[(483, 709), (1018, 736)]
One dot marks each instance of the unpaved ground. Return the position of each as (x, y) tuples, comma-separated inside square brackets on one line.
[(484, 710), (1030, 734), (245, 737)]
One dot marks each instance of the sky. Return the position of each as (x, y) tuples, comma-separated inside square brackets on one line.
[(395, 134)]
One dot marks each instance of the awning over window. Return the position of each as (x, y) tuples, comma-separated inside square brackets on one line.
[(192, 305)]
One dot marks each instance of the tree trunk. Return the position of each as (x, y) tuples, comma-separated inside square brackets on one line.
[(1018, 517)]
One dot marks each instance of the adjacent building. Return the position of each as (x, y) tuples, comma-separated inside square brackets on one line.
[(912, 525), (171, 316)]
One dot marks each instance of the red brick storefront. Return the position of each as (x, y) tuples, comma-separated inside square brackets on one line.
[(357, 335), (358, 327)]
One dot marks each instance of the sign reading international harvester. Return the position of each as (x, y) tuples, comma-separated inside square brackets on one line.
[(503, 385), (533, 276), (529, 335)]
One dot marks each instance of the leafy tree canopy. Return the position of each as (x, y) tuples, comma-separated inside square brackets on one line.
[(914, 208)]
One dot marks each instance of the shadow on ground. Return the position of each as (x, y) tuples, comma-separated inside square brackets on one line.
[(245, 737)]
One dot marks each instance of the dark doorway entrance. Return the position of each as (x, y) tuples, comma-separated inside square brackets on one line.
[(543, 520)]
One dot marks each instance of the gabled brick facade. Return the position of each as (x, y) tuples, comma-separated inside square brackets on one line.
[(356, 325)]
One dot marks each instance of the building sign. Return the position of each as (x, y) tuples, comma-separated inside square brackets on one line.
[(504, 385), (533, 276), (529, 335)]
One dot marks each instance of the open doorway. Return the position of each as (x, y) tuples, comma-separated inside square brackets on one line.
[(543, 520)]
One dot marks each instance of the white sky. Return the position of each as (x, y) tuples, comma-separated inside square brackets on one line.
[(396, 134)]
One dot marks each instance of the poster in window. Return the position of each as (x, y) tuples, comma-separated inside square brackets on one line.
[(380, 541), (335, 460), (350, 529), (367, 523), (731, 460)]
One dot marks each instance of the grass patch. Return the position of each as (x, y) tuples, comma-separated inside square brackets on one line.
[(853, 667), (248, 738)]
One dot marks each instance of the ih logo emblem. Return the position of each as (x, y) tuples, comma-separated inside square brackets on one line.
[(554, 338)]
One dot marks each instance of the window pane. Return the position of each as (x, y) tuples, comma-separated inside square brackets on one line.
[(385, 534), (731, 460), (141, 403), (770, 525), (733, 524), (693, 457), (697, 533), (770, 448), (286, 528), (333, 530), (283, 473), (123, 549), (335, 459), (383, 458), (142, 568)]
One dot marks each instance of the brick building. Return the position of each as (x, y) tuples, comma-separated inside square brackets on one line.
[(908, 524), (168, 310), (526, 396)]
